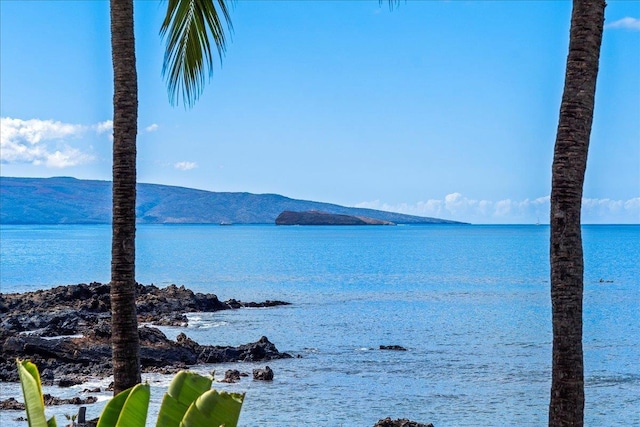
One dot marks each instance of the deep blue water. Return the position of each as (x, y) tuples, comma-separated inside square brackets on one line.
[(471, 303)]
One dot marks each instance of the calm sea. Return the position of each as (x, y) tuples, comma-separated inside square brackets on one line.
[(470, 303)]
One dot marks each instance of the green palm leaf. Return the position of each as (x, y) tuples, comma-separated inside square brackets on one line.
[(189, 26), (185, 388), (214, 409)]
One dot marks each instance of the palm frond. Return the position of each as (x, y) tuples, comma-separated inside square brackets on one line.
[(189, 27), (392, 3)]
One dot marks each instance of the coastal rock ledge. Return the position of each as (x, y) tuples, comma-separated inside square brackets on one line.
[(66, 331)]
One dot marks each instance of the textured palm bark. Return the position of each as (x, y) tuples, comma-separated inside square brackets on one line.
[(124, 339), (566, 406)]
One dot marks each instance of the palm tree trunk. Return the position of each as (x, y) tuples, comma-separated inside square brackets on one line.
[(124, 325), (566, 406)]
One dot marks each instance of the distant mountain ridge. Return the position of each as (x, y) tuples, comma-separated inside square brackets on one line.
[(65, 200)]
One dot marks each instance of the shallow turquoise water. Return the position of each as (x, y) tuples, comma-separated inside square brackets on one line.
[(471, 303)]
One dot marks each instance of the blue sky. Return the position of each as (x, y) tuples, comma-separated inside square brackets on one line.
[(437, 108)]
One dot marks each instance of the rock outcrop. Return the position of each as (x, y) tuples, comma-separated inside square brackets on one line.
[(265, 374), (325, 218), (66, 331), (231, 376), (12, 404), (403, 422), (393, 347)]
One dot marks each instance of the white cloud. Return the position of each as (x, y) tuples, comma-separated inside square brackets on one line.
[(33, 131), (151, 128), (633, 204), (502, 208), (625, 210), (454, 202), (106, 126), (457, 207), (40, 142), (67, 158), (627, 23), (185, 166)]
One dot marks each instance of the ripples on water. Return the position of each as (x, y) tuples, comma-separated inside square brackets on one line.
[(470, 303)]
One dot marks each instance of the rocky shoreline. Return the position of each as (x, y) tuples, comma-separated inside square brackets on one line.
[(66, 331)]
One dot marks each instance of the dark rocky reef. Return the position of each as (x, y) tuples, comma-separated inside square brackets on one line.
[(394, 347), (66, 331), (12, 404), (325, 218), (403, 422)]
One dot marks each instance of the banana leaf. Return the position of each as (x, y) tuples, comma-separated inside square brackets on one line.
[(214, 409), (185, 388), (32, 392), (127, 409)]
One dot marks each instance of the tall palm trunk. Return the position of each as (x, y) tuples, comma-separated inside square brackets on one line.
[(566, 406), (124, 325)]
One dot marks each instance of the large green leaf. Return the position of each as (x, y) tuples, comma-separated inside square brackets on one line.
[(185, 388), (214, 409), (127, 409), (113, 408), (32, 392), (134, 412)]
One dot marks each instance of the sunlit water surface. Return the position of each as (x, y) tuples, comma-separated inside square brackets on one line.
[(470, 303)]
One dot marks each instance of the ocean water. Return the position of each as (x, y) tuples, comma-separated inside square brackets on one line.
[(470, 303)]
